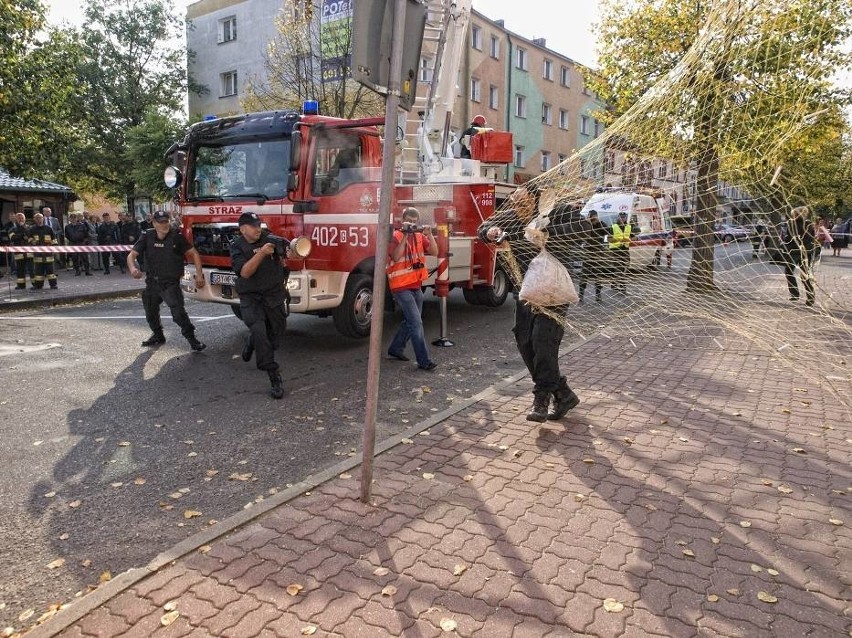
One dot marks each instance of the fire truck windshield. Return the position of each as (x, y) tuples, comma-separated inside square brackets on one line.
[(255, 169)]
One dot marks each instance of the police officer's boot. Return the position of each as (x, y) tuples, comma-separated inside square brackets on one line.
[(277, 389), (155, 339), (539, 409), (564, 399), (195, 344)]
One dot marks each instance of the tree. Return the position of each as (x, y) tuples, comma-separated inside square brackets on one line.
[(146, 146), (732, 89), (134, 68), (37, 79), (293, 70)]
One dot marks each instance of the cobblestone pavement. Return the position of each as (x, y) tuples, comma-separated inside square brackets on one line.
[(706, 494)]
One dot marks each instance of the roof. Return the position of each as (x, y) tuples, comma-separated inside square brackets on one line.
[(9, 183)]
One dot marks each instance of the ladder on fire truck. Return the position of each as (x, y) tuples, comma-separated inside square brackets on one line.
[(427, 127)]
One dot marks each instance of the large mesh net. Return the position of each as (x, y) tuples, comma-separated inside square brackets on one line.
[(733, 114)]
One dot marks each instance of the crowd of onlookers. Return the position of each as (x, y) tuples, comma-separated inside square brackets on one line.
[(80, 229)]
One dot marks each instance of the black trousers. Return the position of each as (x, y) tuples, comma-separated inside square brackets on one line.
[(159, 291), (538, 337), (80, 261), (265, 316), (804, 261)]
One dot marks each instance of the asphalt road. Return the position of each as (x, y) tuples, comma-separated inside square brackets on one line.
[(104, 445)]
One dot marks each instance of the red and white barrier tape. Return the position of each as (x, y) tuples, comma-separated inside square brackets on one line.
[(66, 249)]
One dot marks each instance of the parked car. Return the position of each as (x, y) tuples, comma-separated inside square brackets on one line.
[(731, 232)]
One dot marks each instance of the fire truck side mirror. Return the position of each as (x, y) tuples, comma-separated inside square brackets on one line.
[(295, 150), (172, 176), (292, 181)]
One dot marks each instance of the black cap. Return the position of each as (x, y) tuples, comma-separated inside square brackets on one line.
[(161, 216), (249, 218)]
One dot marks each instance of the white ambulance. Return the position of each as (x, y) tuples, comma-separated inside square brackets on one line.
[(652, 236)]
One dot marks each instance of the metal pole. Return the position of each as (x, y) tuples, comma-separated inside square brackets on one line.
[(382, 240)]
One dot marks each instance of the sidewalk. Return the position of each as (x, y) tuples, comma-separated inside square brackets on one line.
[(705, 494), (70, 289)]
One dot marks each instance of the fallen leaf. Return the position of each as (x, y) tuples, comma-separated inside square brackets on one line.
[(192, 454), (381, 571), (50, 495), (458, 570), (589, 461), (468, 477), (766, 597), (55, 564), (689, 552), (835, 521), (772, 572), (116, 484), (389, 590), (767, 482), (683, 439), (713, 598), (733, 591), (745, 524), (204, 549), (345, 476), (26, 615), (308, 630), (169, 618), (184, 490), (105, 577), (579, 498), (786, 411), (63, 537), (784, 489), (407, 441), (175, 495), (799, 450), (170, 606), (756, 568), (75, 504), (428, 475), (86, 563), (448, 624), (139, 481), (613, 606), (628, 440), (212, 472), (294, 589), (191, 514), (715, 540), (240, 477), (124, 444)]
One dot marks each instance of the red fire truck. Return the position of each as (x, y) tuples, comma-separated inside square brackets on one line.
[(315, 180)]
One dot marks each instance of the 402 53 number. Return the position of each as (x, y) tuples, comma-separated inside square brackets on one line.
[(353, 236)]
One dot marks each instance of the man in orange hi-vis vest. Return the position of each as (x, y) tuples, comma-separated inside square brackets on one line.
[(406, 272)]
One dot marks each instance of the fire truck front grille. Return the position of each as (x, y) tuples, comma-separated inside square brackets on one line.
[(214, 240)]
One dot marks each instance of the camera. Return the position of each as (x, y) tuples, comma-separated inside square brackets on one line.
[(411, 227)]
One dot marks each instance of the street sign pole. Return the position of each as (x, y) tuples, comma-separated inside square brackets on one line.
[(382, 240)]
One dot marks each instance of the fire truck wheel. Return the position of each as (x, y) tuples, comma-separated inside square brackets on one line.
[(352, 317), (491, 296), (235, 308)]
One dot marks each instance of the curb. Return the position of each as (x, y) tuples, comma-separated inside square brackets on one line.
[(29, 304), (126, 580)]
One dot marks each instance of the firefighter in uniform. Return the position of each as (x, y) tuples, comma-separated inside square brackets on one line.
[(258, 259), (406, 272), (18, 236), (42, 235), (537, 334), (619, 247), (164, 249)]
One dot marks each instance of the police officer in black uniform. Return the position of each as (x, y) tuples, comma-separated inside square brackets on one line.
[(258, 259), (165, 249)]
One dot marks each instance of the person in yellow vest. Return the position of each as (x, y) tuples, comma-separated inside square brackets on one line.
[(619, 246), (42, 235), (406, 273), (19, 236)]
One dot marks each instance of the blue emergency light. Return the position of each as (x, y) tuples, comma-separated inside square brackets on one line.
[(310, 107), (209, 118)]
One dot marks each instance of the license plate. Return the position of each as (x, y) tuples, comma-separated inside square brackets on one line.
[(223, 278)]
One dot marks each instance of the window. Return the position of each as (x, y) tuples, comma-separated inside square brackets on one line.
[(663, 170), (565, 76), (561, 157), (545, 161), (546, 114), (227, 29), (519, 156), (425, 70), (599, 128), (476, 37), (547, 70), (609, 165), (229, 83), (494, 97), (495, 47), (521, 59), (520, 106), (584, 125), (563, 118), (475, 90)]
